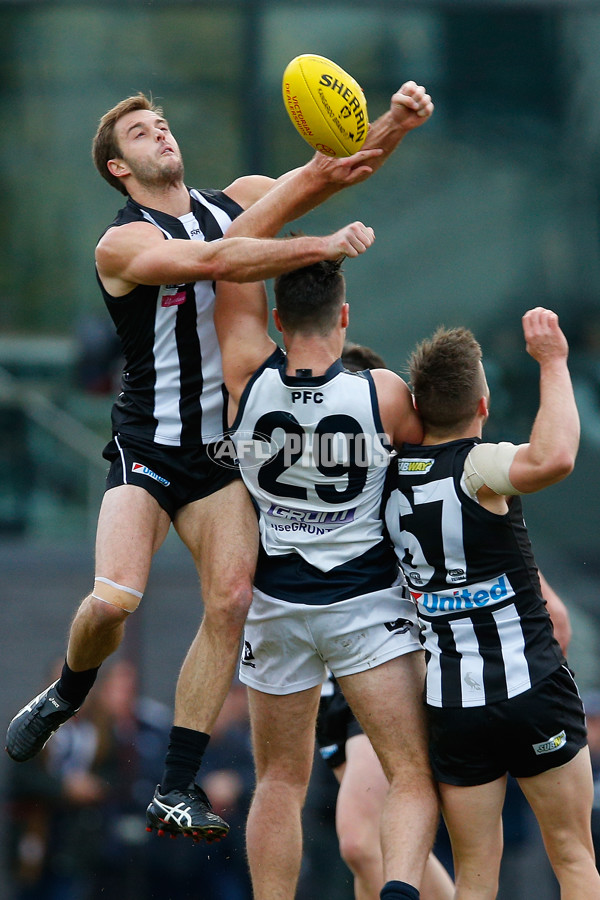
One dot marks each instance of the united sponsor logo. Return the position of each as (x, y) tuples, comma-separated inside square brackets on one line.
[(486, 593), (551, 745), (414, 466), (141, 469)]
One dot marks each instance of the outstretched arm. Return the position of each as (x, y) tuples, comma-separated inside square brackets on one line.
[(550, 454), (137, 253), (296, 192), (495, 471), (299, 191), (410, 108)]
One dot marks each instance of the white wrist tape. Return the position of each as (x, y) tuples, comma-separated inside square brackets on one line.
[(116, 594), (490, 464)]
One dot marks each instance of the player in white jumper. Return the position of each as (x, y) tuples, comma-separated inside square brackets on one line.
[(313, 443)]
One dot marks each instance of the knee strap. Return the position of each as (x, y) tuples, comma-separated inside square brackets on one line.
[(116, 594)]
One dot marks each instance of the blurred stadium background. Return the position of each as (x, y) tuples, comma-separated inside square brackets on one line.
[(490, 209)]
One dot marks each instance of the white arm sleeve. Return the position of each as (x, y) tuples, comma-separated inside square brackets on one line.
[(490, 464)]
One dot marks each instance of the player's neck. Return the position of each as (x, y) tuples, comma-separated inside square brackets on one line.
[(173, 199), (431, 437), (312, 352)]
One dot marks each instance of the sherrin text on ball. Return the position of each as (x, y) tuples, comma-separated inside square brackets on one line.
[(326, 105)]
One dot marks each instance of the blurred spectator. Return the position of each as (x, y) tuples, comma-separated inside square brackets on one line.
[(99, 355), (134, 865), (53, 811), (77, 811), (132, 734), (227, 776)]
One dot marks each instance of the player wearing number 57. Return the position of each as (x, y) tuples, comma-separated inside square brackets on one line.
[(500, 697)]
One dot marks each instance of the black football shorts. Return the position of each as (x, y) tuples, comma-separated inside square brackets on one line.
[(174, 476), (538, 730), (335, 725)]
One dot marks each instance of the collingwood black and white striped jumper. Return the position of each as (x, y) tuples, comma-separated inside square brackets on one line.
[(485, 627), (172, 390)]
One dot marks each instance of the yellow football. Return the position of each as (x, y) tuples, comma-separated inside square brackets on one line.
[(326, 105)]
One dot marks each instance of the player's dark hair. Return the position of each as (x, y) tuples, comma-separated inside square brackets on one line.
[(447, 379), (357, 358), (309, 300), (104, 145)]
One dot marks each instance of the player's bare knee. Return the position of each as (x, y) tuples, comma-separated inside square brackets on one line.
[(98, 617), (564, 851), (223, 625), (240, 603), (357, 849), (228, 608), (288, 783)]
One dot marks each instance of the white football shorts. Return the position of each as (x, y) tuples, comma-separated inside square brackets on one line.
[(288, 646)]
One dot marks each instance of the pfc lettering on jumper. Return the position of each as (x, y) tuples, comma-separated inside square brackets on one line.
[(307, 396)]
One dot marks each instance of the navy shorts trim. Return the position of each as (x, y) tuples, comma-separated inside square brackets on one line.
[(292, 578), (538, 730), (174, 476)]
